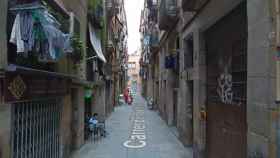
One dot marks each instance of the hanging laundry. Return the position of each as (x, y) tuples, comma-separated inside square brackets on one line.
[(36, 30), (26, 28), (41, 43), (56, 41), (16, 35), (67, 43)]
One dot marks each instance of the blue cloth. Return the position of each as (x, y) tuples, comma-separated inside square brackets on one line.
[(26, 28)]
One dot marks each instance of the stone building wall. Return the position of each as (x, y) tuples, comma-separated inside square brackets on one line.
[(79, 8), (193, 133), (3, 38), (5, 109), (5, 130), (65, 127), (262, 112)]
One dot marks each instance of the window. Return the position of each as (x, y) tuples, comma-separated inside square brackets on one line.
[(188, 53), (132, 65)]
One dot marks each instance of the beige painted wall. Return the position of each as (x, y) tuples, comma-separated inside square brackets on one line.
[(134, 58)]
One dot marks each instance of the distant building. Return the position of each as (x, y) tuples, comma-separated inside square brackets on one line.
[(133, 68)]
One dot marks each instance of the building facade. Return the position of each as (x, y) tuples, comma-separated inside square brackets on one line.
[(117, 45), (217, 75), (46, 99), (133, 69)]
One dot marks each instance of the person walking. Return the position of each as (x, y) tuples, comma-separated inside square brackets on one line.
[(126, 95)]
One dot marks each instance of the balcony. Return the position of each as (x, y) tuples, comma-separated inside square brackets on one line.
[(95, 15), (153, 14), (167, 14), (109, 7), (154, 40), (192, 5)]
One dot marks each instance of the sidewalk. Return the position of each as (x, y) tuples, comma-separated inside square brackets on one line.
[(160, 139)]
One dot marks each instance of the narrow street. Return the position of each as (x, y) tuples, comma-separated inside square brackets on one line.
[(161, 141), (140, 79)]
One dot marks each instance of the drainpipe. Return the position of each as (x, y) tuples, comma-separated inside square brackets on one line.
[(277, 9), (277, 16)]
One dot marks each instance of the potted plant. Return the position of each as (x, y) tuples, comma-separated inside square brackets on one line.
[(77, 45)]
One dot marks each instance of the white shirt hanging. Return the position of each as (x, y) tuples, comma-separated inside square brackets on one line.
[(16, 35)]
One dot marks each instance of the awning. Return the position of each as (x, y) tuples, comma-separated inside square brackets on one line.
[(96, 43)]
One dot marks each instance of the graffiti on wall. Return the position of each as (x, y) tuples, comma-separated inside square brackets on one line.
[(224, 88)]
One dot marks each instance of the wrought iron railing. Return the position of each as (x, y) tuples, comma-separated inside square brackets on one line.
[(110, 7), (153, 14), (154, 39), (95, 15)]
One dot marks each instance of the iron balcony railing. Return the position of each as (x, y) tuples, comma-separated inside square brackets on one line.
[(154, 38), (153, 14), (109, 7), (95, 15), (167, 14), (154, 41)]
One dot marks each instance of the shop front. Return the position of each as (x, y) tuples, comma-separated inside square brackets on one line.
[(36, 100)]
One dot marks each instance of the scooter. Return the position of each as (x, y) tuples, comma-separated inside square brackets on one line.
[(150, 104)]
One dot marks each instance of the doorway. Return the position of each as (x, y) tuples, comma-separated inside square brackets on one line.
[(75, 118), (226, 44)]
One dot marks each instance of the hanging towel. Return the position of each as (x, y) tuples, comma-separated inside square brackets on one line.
[(26, 28), (16, 35)]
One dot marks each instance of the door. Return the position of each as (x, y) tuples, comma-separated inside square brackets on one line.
[(175, 97), (75, 118), (226, 44), (87, 115), (157, 95)]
